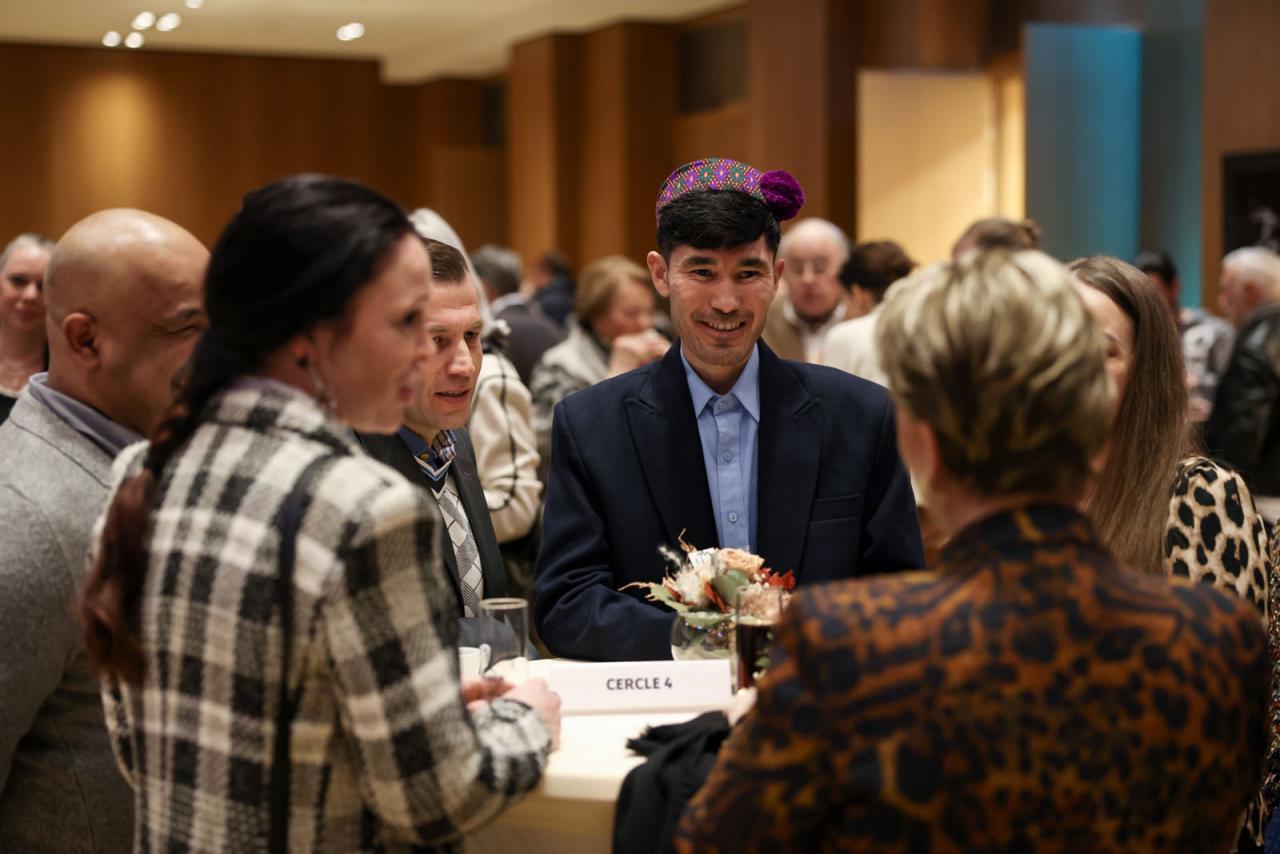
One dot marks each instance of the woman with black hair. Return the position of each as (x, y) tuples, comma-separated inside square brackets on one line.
[(266, 605)]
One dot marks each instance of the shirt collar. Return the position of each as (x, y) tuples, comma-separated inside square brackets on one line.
[(746, 389), (84, 419), (435, 458)]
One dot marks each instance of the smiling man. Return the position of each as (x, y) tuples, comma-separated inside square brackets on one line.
[(721, 439), (434, 449)]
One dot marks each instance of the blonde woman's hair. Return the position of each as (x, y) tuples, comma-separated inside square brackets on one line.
[(998, 354), (600, 282)]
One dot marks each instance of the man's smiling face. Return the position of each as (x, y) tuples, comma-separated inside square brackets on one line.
[(719, 302)]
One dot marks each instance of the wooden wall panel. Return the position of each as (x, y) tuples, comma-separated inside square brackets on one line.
[(602, 180), (1241, 107), (803, 98), (469, 190), (924, 34), (186, 135), (650, 138), (589, 140), (628, 95), (722, 132), (542, 146)]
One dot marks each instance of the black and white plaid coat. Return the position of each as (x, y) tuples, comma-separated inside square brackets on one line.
[(385, 755)]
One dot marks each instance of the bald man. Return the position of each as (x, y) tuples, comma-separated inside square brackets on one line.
[(123, 291), (814, 299)]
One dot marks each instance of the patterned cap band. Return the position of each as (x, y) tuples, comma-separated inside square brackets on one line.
[(780, 192)]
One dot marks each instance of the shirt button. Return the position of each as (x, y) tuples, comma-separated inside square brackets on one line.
[(728, 456), (733, 517)]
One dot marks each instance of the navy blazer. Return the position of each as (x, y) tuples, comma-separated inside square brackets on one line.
[(627, 476)]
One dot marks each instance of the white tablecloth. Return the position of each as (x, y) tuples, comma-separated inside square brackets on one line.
[(571, 811)]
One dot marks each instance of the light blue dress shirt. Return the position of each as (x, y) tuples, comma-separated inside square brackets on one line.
[(728, 426)]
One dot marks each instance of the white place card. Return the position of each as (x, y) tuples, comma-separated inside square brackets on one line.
[(640, 686)]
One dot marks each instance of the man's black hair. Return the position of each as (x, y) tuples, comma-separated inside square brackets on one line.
[(1157, 261), (716, 219)]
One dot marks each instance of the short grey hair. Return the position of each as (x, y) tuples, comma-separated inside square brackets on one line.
[(499, 268), (1256, 264), (29, 238), (814, 223), (998, 354)]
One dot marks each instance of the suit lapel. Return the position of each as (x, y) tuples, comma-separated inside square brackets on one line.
[(788, 454), (665, 435)]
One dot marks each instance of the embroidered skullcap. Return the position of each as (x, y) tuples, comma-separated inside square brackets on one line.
[(780, 192)]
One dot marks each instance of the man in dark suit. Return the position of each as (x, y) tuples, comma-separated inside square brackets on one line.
[(434, 449), (721, 439), (532, 333)]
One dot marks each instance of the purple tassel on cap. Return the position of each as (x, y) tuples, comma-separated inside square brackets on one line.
[(782, 193)]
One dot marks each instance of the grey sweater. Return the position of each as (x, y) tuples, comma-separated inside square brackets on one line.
[(60, 788)]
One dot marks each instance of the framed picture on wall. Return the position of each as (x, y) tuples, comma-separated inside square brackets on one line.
[(1251, 200)]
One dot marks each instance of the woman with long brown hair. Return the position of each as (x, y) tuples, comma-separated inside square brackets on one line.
[(1157, 504), (267, 606)]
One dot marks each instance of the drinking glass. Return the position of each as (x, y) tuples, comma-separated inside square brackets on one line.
[(757, 610), (504, 628)]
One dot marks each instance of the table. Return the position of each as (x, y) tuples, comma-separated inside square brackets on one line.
[(571, 811)]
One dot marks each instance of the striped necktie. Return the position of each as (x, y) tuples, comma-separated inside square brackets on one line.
[(466, 554)]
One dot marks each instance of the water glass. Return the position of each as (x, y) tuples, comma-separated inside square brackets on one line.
[(504, 628)]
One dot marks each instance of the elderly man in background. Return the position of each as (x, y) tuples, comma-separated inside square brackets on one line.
[(814, 299), (531, 333), (1207, 340), (123, 293), (1244, 428)]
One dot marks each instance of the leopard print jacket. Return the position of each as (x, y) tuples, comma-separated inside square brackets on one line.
[(1028, 694), (1216, 536)]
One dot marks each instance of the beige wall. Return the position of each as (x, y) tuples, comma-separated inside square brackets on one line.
[(935, 152)]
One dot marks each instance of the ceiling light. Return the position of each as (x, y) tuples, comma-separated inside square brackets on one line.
[(111, 39), (169, 22), (194, 4), (143, 21), (134, 40), (350, 32)]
